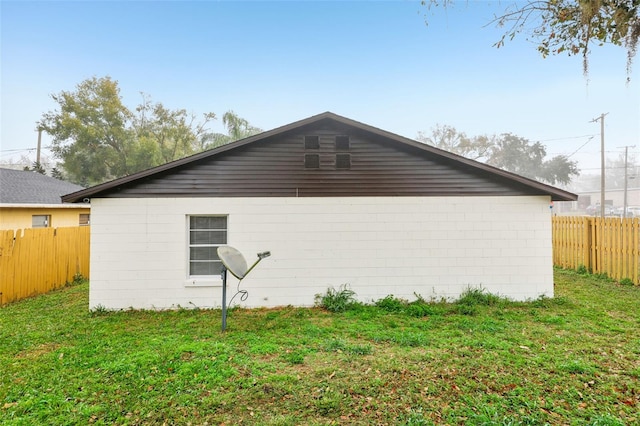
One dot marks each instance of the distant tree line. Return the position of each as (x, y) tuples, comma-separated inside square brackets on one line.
[(505, 151)]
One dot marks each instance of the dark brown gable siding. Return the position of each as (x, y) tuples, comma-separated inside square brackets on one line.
[(276, 168)]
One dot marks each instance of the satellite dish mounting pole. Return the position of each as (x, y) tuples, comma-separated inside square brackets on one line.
[(234, 262), (223, 273)]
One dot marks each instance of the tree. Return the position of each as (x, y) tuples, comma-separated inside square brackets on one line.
[(570, 26), (90, 131), (98, 138), (35, 167), (518, 155), (615, 171), (237, 128), (449, 139), (164, 135), (507, 151)]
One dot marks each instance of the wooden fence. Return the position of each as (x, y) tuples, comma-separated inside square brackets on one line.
[(602, 245), (35, 261)]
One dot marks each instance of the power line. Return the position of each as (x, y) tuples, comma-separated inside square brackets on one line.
[(25, 149), (568, 137), (7, 152), (18, 149), (581, 146)]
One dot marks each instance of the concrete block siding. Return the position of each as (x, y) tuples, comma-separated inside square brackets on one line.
[(432, 246)]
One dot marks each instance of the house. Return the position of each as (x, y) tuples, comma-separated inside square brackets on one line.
[(32, 200), (336, 202)]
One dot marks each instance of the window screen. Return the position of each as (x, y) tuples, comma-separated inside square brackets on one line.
[(206, 234)]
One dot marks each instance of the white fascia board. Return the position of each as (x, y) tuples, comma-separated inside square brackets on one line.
[(44, 206)]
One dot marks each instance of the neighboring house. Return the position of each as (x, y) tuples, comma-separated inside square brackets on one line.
[(336, 202), (32, 200)]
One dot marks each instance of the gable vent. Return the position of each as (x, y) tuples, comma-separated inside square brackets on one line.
[(342, 143), (311, 142), (311, 161), (343, 161)]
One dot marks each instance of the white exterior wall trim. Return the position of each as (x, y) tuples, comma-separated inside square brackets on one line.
[(432, 246)]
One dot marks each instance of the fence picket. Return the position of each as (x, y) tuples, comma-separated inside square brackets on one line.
[(35, 261)]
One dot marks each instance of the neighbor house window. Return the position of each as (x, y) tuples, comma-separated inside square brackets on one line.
[(40, 221), (85, 219), (206, 234)]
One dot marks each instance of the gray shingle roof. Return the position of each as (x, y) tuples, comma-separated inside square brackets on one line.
[(20, 187)]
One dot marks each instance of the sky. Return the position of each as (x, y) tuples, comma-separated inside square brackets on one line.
[(395, 65)]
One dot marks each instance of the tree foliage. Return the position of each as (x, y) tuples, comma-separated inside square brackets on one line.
[(506, 151), (237, 128), (570, 27), (448, 138), (36, 167), (98, 138)]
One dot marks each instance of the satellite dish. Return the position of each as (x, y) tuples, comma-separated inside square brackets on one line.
[(234, 261)]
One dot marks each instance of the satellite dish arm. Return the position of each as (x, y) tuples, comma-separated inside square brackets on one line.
[(260, 257)]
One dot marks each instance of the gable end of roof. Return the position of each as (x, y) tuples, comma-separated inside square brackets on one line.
[(332, 120)]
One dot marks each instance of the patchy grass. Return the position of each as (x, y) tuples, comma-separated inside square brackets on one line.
[(574, 359)]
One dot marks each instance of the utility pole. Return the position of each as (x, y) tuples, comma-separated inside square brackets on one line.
[(39, 146), (626, 152), (601, 119)]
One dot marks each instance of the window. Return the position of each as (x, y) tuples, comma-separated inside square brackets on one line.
[(85, 219), (40, 221), (206, 234)]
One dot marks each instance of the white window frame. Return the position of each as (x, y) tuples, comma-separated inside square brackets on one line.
[(203, 280)]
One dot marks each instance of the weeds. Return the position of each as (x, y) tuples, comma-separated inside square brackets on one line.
[(337, 300), (627, 281), (582, 270), (341, 346), (479, 297), (99, 310)]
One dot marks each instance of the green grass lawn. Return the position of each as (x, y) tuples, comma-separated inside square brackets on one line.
[(570, 360)]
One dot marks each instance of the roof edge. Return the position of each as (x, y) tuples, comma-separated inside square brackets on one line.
[(44, 206)]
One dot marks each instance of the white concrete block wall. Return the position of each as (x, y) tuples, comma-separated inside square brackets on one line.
[(435, 247)]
